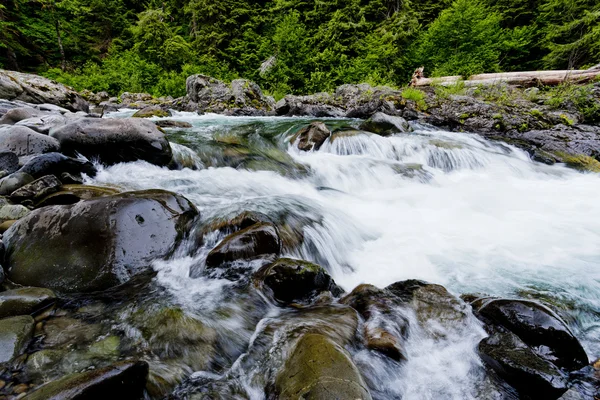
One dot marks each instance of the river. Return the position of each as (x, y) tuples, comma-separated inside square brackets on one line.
[(449, 208)]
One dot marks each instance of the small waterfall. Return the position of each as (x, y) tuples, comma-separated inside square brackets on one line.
[(449, 208)]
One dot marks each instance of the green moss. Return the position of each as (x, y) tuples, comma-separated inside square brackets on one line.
[(580, 162), (536, 113), (566, 120)]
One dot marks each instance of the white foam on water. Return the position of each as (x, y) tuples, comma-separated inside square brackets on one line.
[(449, 208)]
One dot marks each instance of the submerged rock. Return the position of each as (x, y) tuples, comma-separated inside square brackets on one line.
[(23, 301), (125, 380), (115, 140), (95, 244), (24, 141), (319, 369), (292, 280), (383, 124), (15, 334), (312, 137), (260, 239), (39, 90)]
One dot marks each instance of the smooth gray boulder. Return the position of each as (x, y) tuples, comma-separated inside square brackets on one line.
[(39, 90), (384, 125), (24, 141), (115, 140), (13, 182)]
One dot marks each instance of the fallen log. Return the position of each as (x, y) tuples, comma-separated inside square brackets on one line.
[(523, 79)]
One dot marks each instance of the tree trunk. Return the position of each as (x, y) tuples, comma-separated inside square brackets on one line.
[(63, 60), (525, 79)]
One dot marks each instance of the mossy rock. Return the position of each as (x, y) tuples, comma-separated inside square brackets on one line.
[(124, 380), (291, 280), (580, 162), (23, 301), (319, 369), (152, 111), (15, 334)]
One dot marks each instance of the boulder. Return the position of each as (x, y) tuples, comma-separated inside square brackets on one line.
[(318, 105), (292, 280), (312, 137), (23, 301), (152, 111), (125, 380), (15, 115), (258, 240), (319, 369), (37, 189), (66, 332), (45, 123), (520, 367), (55, 164), (15, 334), (13, 182), (95, 244), (384, 125), (12, 212), (537, 326), (24, 141), (115, 140), (385, 335), (242, 97), (39, 90), (9, 162)]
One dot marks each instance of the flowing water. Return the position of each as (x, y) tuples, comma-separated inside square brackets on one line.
[(449, 208)]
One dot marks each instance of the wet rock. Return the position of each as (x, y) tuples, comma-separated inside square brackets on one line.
[(42, 364), (39, 90), (65, 332), (4, 227), (433, 304), (12, 212), (86, 192), (15, 334), (115, 140), (56, 164), (24, 141), (383, 124), (23, 301), (56, 199), (37, 189), (9, 162), (152, 111), (13, 182), (312, 137), (15, 115), (292, 280), (179, 344), (519, 366), (320, 369), (95, 244), (68, 178), (537, 326), (385, 328), (261, 239), (167, 123), (125, 379)]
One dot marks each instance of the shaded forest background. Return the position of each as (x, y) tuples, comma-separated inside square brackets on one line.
[(290, 46)]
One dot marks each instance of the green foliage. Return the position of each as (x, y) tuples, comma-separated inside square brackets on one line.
[(292, 46), (581, 97), (445, 91), (466, 39)]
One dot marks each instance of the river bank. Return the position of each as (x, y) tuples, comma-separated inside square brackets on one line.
[(219, 257)]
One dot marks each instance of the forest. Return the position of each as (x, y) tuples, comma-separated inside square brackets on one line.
[(290, 46)]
